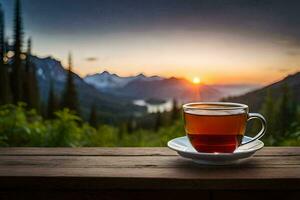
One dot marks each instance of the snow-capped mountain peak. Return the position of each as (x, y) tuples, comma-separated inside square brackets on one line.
[(106, 80), (49, 68)]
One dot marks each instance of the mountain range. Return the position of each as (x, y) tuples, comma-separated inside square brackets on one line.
[(144, 87)]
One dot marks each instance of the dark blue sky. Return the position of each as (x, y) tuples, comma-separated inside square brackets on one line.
[(66, 16), (116, 32)]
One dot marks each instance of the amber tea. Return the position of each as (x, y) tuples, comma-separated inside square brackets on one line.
[(217, 127), (215, 133)]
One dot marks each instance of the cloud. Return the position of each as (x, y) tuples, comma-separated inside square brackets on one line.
[(293, 52), (283, 70), (91, 59)]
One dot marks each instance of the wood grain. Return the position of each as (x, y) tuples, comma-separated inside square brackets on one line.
[(138, 162), (107, 194), (127, 151)]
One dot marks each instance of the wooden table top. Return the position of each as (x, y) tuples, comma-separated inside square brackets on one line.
[(143, 168)]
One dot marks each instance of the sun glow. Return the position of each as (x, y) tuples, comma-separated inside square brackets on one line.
[(196, 80)]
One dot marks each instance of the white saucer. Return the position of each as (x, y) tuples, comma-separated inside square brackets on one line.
[(186, 150)]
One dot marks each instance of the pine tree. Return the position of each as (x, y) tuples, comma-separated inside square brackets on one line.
[(158, 121), (2, 36), (70, 99), (26, 77), (28, 60), (93, 116), (5, 93), (286, 114), (122, 129), (35, 97), (131, 124), (174, 111), (270, 112), (31, 94), (16, 75), (53, 103)]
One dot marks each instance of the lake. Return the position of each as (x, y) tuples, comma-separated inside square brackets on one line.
[(162, 106)]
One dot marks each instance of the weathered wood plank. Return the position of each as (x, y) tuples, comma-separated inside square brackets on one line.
[(127, 151), (144, 183), (213, 173), (106, 194), (148, 194), (90, 151), (262, 194), (137, 162)]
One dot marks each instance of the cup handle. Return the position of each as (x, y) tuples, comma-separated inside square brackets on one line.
[(263, 126)]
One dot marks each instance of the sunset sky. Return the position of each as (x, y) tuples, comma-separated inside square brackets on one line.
[(219, 41)]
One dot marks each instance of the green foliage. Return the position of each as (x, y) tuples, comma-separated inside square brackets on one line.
[(22, 127), (293, 140), (19, 127), (282, 119)]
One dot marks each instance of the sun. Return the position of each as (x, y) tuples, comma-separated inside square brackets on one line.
[(196, 80)]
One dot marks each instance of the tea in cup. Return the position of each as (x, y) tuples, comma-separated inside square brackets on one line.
[(218, 127)]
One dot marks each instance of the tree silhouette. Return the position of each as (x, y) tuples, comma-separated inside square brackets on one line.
[(174, 111), (70, 99), (30, 84), (53, 103), (2, 36), (131, 124), (122, 130), (158, 121), (16, 75), (34, 86), (286, 113), (5, 93), (26, 78), (270, 111), (93, 116)]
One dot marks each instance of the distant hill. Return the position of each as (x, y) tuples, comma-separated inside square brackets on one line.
[(255, 98), (108, 104), (156, 87)]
